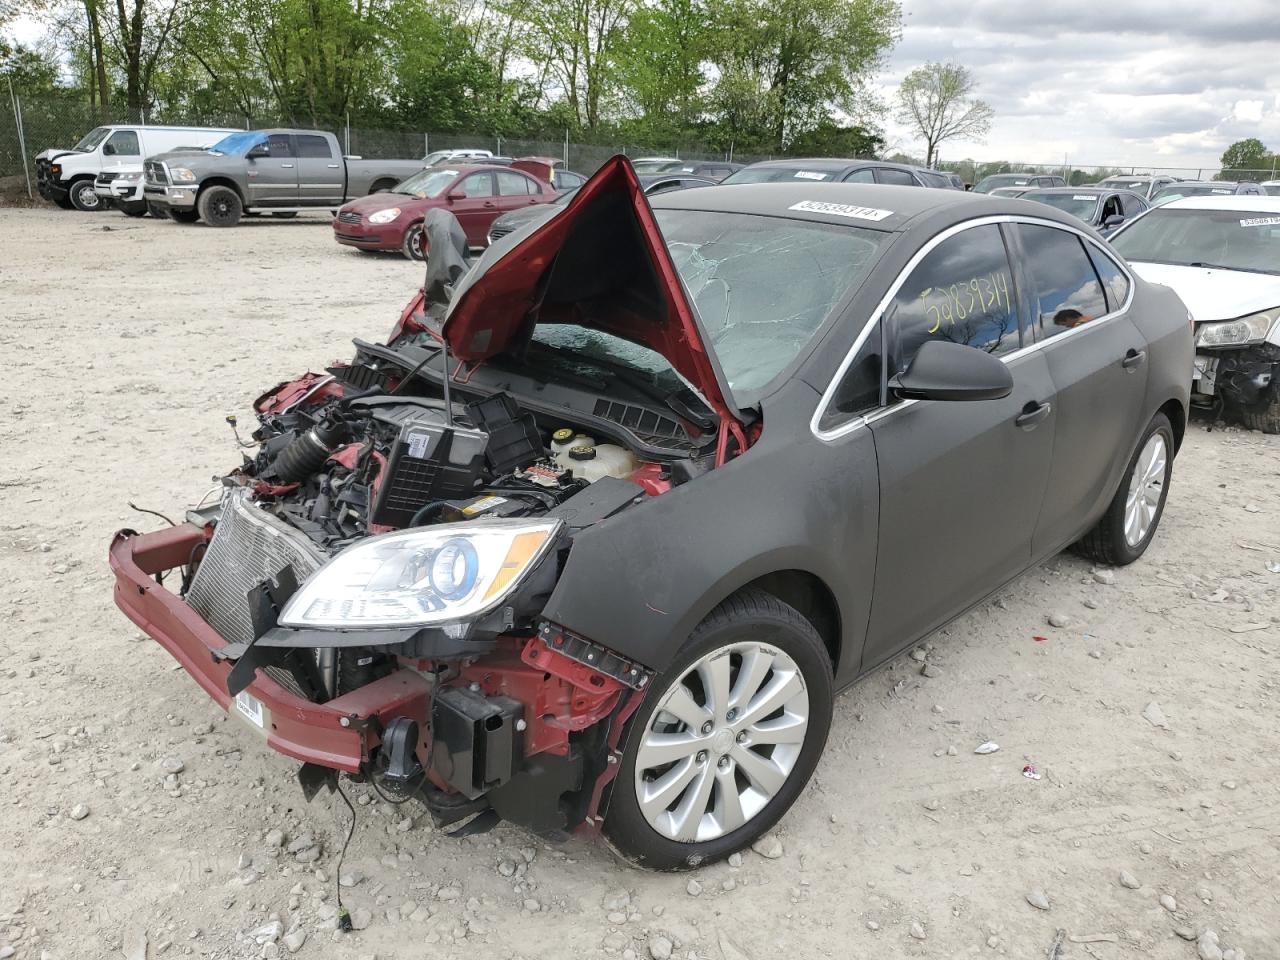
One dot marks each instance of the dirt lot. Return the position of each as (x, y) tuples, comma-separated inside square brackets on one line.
[(126, 347)]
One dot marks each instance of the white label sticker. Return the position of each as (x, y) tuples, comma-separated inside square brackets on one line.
[(418, 445), (1225, 192), (1083, 196), (841, 210), (250, 707), (1260, 222), (809, 175)]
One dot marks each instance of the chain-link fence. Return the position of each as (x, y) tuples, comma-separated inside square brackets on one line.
[(32, 125)]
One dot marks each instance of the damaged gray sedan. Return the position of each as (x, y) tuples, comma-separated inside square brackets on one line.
[(593, 539)]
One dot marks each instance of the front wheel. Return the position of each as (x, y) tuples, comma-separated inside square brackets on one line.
[(1264, 413), (1127, 528), (220, 206), (184, 216), (137, 209), (63, 201), (414, 243), (83, 197), (727, 738)]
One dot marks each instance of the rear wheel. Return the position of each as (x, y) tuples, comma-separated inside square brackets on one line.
[(83, 197), (726, 739), (1126, 529), (185, 216), (220, 206), (382, 186), (414, 243), (285, 215)]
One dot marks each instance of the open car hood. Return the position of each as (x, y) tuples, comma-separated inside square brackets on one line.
[(600, 262)]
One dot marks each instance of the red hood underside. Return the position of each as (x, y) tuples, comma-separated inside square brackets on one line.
[(601, 262)]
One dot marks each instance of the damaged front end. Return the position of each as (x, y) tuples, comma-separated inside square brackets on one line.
[(1237, 365), (368, 592)]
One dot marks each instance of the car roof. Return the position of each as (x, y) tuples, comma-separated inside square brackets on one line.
[(1259, 203), (1091, 189), (825, 164), (851, 204)]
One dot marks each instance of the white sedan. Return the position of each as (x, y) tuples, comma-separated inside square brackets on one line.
[(1221, 255)]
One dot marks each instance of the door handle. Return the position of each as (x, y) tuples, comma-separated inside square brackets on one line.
[(490, 203), (287, 165), (1032, 414), (333, 166), (1133, 359)]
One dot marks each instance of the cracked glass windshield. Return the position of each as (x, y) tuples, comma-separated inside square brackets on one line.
[(762, 287)]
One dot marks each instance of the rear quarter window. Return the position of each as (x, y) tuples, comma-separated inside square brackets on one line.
[(1065, 291)]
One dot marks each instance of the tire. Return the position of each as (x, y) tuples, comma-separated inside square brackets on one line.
[(750, 626), (285, 215), (133, 209), (220, 206), (1264, 414), (157, 211), (184, 216), (1111, 541), (64, 202), (381, 186), (83, 197), (411, 246)]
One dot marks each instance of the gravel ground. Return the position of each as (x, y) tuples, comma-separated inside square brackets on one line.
[(141, 822)]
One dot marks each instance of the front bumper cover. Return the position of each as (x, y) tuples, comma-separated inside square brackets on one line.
[(341, 734), (181, 198)]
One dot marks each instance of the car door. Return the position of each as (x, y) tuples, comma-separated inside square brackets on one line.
[(122, 148), (961, 483), (321, 177), (474, 202), (515, 190), (1079, 297), (273, 179)]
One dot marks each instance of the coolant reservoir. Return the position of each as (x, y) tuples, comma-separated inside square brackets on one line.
[(566, 437), (590, 462)]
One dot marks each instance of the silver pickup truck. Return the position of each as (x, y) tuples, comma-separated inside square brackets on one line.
[(281, 172)]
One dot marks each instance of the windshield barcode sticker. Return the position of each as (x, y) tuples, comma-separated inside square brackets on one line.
[(1260, 222), (841, 210), (809, 175), (1081, 197)]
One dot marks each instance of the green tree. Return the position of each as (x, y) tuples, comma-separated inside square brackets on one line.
[(1244, 158), (802, 59), (936, 101), (33, 72), (660, 59)]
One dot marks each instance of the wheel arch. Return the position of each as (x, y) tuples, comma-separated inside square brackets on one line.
[(382, 183), (1176, 413), (220, 181), (811, 597)]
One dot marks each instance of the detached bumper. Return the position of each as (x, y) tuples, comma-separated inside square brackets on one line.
[(178, 198), (51, 189), (340, 734)]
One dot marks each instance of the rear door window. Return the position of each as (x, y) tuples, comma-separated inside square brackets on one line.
[(313, 146), (899, 177), (512, 184), (1065, 291), (962, 291), (1115, 285), (861, 176)]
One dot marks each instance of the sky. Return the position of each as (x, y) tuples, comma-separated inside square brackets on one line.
[(1162, 84)]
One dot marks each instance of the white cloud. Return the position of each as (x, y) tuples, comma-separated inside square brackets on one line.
[(1140, 83)]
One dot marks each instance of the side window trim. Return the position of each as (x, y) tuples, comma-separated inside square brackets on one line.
[(831, 434)]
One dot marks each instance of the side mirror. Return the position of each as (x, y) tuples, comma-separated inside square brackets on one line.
[(453, 195), (258, 151), (942, 370), (108, 150), (1114, 220)]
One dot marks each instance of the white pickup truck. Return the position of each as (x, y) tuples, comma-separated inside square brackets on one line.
[(70, 177)]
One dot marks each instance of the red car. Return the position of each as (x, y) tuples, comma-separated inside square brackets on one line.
[(476, 195)]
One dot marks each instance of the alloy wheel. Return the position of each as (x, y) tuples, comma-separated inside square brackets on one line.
[(722, 741), (1142, 504)]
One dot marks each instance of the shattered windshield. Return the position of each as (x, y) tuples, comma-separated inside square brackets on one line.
[(762, 286), (426, 183), (235, 144), (92, 139), (1228, 239)]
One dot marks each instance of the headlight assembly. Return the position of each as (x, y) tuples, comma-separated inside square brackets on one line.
[(1235, 333), (130, 177), (384, 216), (181, 175), (423, 576)]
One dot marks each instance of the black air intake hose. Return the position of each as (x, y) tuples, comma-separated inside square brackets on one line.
[(308, 451)]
